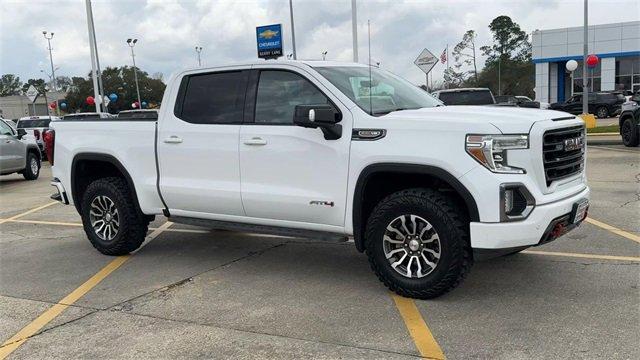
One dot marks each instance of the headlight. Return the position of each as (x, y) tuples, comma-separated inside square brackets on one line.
[(491, 151)]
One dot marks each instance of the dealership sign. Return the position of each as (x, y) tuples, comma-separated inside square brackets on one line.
[(426, 61), (269, 39)]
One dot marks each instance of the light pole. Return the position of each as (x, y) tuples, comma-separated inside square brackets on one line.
[(324, 55), (131, 44), (585, 80), (53, 71), (198, 51), (293, 30)]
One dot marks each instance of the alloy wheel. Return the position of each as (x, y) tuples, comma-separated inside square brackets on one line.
[(104, 218), (412, 246)]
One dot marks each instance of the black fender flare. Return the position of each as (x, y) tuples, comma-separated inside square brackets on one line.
[(90, 156), (403, 168), (34, 148)]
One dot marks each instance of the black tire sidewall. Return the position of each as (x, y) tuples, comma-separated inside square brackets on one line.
[(28, 174), (450, 242), (604, 111), (632, 139)]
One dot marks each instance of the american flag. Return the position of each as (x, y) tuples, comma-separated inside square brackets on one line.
[(443, 57)]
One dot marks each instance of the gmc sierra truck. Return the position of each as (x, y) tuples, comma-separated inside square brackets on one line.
[(329, 150)]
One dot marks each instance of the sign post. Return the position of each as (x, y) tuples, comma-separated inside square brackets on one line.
[(32, 94), (269, 38), (426, 61)]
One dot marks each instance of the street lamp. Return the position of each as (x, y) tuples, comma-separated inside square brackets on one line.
[(53, 71), (131, 44), (324, 55), (198, 51)]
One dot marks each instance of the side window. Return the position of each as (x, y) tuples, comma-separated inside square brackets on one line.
[(215, 98), (5, 129), (278, 94)]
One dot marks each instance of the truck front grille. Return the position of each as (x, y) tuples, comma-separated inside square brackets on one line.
[(563, 152)]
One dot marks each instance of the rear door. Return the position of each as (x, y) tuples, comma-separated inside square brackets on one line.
[(290, 173), (198, 145)]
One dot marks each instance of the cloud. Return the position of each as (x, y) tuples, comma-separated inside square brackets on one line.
[(169, 30)]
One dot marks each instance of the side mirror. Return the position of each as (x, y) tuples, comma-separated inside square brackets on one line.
[(21, 133), (319, 116)]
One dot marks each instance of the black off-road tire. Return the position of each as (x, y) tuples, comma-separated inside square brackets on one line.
[(629, 132), (602, 112), (452, 226), (133, 225), (28, 172)]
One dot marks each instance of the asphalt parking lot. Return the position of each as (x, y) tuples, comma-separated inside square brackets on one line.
[(194, 293)]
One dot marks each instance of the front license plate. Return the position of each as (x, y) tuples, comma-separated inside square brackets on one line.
[(579, 211)]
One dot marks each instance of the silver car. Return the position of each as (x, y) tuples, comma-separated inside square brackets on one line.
[(19, 152)]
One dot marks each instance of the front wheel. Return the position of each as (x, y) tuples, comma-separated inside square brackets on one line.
[(112, 223), (602, 112), (417, 242), (32, 168), (629, 131)]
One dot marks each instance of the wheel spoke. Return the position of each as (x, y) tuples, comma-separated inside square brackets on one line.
[(394, 230), (395, 264), (414, 223), (433, 238), (393, 252), (424, 230), (393, 241), (404, 226), (419, 272), (432, 264), (409, 266), (432, 252)]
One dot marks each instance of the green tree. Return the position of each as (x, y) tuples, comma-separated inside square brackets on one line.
[(39, 84), (10, 85), (465, 52), (509, 41)]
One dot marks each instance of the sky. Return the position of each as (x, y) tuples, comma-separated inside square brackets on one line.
[(168, 31)]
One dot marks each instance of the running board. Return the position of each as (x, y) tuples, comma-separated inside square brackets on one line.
[(260, 229)]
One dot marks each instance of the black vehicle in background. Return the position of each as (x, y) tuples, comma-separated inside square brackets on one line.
[(602, 104), (465, 96), (630, 121)]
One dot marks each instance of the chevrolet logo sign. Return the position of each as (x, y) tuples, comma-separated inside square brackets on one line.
[(573, 144)]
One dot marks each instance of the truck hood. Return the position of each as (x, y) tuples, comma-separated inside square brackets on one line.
[(509, 120)]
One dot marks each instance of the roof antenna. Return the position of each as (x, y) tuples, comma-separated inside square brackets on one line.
[(370, 98)]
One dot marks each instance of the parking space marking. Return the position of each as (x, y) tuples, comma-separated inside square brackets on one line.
[(28, 212), (41, 321), (418, 329), (613, 229), (584, 256)]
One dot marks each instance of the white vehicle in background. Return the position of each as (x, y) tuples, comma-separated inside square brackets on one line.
[(19, 152), (36, 125), (87, 116), (330, 150)]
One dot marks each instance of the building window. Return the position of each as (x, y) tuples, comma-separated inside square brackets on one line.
[(593, 78), (628, 73)]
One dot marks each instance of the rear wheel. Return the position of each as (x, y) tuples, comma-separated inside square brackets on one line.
[(112, 223), (602, 112), (629, 132), (417, 242), (32, 169)]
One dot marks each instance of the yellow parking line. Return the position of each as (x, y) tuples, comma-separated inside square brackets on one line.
[(613, 229), (584, 256), (41, 321), (28, 212), (418, 329)]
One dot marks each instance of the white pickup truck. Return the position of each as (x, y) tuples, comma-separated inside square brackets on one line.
[(329, 150)]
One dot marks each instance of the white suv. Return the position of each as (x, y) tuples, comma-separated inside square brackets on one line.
[(330, 150)]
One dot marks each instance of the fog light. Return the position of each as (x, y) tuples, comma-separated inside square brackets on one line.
[(516, 202)]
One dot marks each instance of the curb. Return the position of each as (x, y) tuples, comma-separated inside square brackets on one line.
[(600, 140), (603, 134)]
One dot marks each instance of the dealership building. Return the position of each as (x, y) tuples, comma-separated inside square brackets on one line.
[(617, 46)]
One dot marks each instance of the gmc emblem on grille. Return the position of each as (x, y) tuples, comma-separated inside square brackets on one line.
[(573, 144)]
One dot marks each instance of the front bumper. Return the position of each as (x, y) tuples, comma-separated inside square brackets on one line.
[(534, 230)]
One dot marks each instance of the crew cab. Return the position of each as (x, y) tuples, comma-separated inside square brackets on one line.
[(19, 152), (330, 150)]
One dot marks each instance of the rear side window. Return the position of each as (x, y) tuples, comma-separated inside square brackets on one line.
[(466, 98), (215, 98), (33, 123)]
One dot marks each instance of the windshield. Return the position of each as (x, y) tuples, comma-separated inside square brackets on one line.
[(380, 94), (33, 123), (472, 97)]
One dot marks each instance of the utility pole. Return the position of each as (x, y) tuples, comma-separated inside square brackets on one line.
[(53, 71), (131, 44), (354, 29), (198, 51), (293, 30), (92, 48), (585, 87), (99, 72)]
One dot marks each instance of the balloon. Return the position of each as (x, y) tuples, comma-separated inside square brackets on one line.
[(90, 100), (113, 97), (53, 105), (144, 104), (134, 105), (572, 65), (592, 61), (63, 105)]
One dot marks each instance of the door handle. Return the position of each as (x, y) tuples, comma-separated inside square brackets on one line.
[(256, 141), (173, 140)]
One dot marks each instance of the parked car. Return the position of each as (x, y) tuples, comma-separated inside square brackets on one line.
[(87, 116), (36, 124), (520, 101), (19, 152), (465, 96), (329, 150), (602, 104), (630, 121)]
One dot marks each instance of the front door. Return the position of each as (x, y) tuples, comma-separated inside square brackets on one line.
[(291, 173), (198, 145), (12, 151)]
